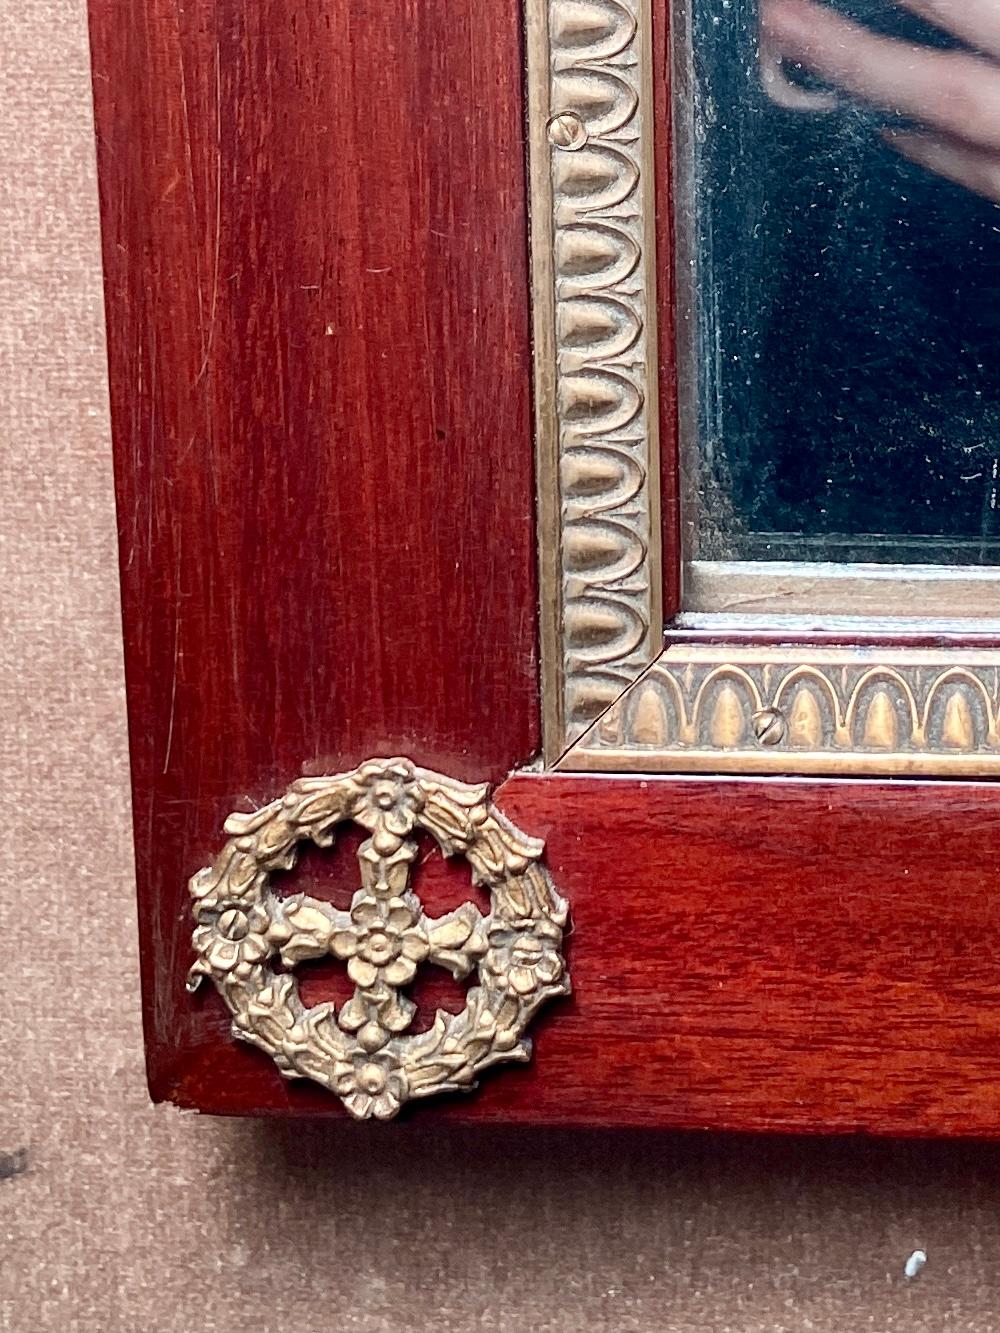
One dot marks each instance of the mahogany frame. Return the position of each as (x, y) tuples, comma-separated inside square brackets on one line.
[(317, 278)]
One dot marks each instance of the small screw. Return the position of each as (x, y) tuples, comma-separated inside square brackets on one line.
[(567, 131), (234, 924), (769, 726)]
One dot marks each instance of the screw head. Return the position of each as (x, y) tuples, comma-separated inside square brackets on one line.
[(769, 726), (567, 131), (234, 924)]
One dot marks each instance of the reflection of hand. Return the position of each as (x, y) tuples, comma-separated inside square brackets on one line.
[(954, 94)]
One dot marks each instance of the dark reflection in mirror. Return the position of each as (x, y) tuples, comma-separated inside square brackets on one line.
[(846, 169)]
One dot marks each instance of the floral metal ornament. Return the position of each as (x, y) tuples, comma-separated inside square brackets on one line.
[(363, 1051)]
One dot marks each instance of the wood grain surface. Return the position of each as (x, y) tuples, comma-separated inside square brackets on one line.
[(671, 322), (315, 247), (753, 955), (314, 240)]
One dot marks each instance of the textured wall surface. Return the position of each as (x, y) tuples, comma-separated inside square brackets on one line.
[(116, 1217)]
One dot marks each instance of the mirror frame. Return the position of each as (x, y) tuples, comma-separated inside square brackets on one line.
[(749, 690)]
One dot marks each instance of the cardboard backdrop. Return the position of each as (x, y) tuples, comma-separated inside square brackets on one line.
[(116, 1217)]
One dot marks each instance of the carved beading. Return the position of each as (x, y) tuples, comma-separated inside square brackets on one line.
[(595, 321), (804, 709), (610, 701)]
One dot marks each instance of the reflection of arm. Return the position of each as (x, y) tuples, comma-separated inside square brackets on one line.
[(955, 95)]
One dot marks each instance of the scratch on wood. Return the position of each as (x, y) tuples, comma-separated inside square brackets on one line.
[(176, 658), (213, 311)]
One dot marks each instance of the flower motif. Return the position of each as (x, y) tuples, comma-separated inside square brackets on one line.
[(390, 803), (385, 943), (362, 1049), (235, 943), (524, 956), (371, 1085)]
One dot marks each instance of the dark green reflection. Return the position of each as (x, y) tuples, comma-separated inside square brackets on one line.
[(849, 326)]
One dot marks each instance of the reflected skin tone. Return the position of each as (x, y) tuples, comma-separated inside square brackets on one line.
[(953, 96)]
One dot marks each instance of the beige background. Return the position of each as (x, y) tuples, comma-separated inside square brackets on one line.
[(130, 1219)]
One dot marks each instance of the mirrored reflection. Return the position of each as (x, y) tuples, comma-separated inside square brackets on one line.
[(845, 162)]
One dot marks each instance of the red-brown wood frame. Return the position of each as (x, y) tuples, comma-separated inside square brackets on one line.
[(315, 242), (768, 955), (315, 246)]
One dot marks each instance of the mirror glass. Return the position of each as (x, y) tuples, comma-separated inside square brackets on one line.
[(843, 218)]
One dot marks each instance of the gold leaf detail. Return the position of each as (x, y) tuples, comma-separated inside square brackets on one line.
[(805, 722), (844, 710), (957, 730), (881, 724), (729, 719), (649, 721), (595, 301)]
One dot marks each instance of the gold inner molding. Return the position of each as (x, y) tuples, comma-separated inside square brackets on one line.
[(613, 698), (593, 251), (803, 709)]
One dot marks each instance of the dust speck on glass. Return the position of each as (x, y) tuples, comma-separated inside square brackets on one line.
[(846, 227)]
